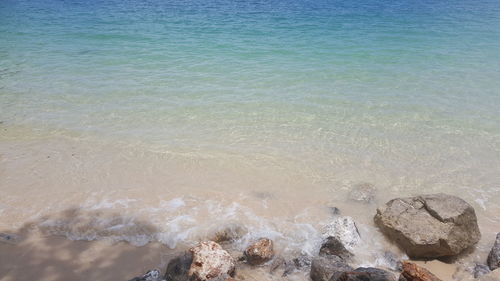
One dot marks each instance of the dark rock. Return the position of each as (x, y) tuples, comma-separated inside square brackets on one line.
[(413, 272), (178, 268), (259, 252), (494, 256), (362, 192), (323, 268), (151, 275), (365, 274), (335, 211), (229, 233), (480, 270), (333, 246), (429, 226)]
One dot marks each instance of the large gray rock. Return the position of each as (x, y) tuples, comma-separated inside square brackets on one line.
[(365, 274), (324, 267), (429, 226), (494, 256), (210, 261), (344, 230)]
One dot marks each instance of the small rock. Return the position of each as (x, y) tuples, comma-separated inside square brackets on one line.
[(364, 274), (494, 256), (229, 233), (429, 226), (323, 268), (334, 211), (259, 252), (333, 246), (178, 268), (151, 275), (9, 238), (344, 230), (480, 270), (362, 192), (210, 261), (413, 272)]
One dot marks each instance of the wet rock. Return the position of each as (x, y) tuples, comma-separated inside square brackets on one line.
[(480, 270), (362, 192), (9, 238), (429, 226), (413, 272), (259, 252), (289, 266), (344, 230), (365, 274), (334, 211), (151, 275), (494, 256), (302, 261), (210, 261), (178, 268), (333, 246), (229, 233), (323, 268)]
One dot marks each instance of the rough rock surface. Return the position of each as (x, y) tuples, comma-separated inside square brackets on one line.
[(364, 274), (178, 268), (210, 261), (429, 226), (323, 268), (259, 252), (413, 272), (151, 275), (362, 192), (333, 246), (344, 230), (494, 256)]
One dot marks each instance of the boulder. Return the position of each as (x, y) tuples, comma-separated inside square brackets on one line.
[(178, 268), (333, 246), (151, 275), (494, 256), (344, 230), (362, 192), (413, 272), (429, 226), (259, 252), (210, 261), (365, 274), (323, 268)]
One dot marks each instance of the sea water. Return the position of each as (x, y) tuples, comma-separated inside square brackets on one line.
[(167, 120)]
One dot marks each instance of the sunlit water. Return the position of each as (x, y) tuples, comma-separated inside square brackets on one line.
[(193, 114)]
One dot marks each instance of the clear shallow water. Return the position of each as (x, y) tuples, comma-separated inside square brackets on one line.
[(308, 96)]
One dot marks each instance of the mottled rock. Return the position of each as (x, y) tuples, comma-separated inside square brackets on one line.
[(210, 261), (344, 230), (259, 252), (323, 268), (494, 256), (229, 233), (362, 192), (333, 246), (429, 226), (413, 272), (151, 275), (178, 268), (365, 274), (480, 270)]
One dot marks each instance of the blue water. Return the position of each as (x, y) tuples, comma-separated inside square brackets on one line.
[(314, 81)]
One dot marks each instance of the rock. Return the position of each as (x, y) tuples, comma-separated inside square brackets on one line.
[(362, 192), (494, 256), (344, 230), (210, 261), (229, 233), (178, 268), (259, 252), (365, 274), (413, 272), (151, 275), (323, 268), (480, 270), (290, 266), (429, 226), (334, 211), (333, 246)]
